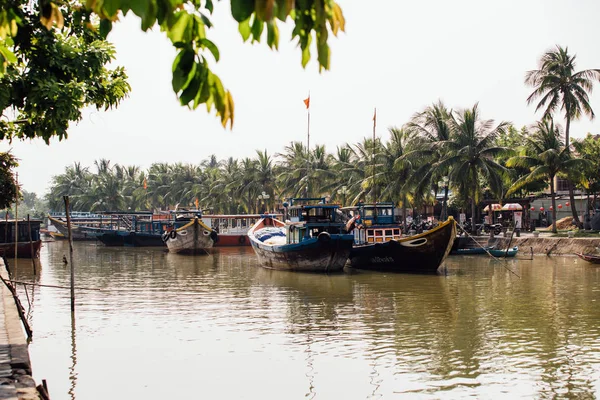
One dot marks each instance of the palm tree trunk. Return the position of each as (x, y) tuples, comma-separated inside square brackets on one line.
[(445, 205), (404, 212), (473, 220), (571, 191), (553, 195)]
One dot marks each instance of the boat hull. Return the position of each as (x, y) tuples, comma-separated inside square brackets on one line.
[(232, 240), (131, 239), (501, 253), (192, 238), (423, 253), (313, 256), (327, 253), (23, 249), (592, 258)]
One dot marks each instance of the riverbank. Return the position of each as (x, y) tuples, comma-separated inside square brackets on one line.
[(15, 367), (543, 244)]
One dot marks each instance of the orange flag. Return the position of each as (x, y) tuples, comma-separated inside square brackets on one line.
[(145, 184), (196, 203), (307, 102)]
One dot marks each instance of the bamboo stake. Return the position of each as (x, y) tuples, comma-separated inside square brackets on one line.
[(66, 199), (17, 220), (31, 246), (6, 227)]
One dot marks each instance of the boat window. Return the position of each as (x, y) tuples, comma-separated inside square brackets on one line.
[(368, 212), (243, 223), (396, 232), (234, 223), (370, 232), (378, 233), (388, 232)]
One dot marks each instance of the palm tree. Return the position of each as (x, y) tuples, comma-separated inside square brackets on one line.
[(470, 155), (397, 169), (546, 157), (558, 85), (431, 126)]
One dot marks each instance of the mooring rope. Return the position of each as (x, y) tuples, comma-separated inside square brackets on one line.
[(490, 254)]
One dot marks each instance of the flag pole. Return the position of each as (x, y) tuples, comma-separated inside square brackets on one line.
[(373, 157), (307, 103)]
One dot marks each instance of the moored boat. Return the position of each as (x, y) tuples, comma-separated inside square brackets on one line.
[(192, 238), (511, 252), (139, 229), (232, 229), (379, 244), (472, 251), (314, 240), (28, 242), (592, 258)]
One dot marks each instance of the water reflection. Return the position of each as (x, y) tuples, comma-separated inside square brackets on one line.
[(247, 332)]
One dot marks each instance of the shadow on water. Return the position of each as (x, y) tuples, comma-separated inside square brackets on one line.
[(478, 331)]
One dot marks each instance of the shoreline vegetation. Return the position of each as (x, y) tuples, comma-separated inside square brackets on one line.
[(442, 156)]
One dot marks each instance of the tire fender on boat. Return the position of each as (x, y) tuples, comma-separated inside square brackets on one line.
[(242, 240), (173, 234), (324, 236), (214, 236)]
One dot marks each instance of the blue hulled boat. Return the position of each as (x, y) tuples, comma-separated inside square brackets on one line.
[(313, 239)]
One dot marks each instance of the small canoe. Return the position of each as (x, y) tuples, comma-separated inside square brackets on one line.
[(593, 258), (504, 252), (471, 251)]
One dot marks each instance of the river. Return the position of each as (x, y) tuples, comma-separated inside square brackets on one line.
[(166, 326)]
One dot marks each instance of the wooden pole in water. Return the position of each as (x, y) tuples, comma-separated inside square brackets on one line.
[(66, 199), (6, 227), (17, 220), (31, 245)]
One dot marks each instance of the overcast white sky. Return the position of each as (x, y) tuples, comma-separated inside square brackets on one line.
[(398, 56)]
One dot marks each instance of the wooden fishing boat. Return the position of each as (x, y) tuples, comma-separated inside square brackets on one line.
[(28, 242), (83, 227), (379, 244), (192, 238), (314, 239), (139, 229), (592, 258), (504, 252), (232, 229)]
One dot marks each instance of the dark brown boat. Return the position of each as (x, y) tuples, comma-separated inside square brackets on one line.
[(28, 243), (380, 246)]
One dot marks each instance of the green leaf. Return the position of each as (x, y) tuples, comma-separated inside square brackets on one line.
[(183, 69), (7, 54), (139, 7), (244, 28), (191, 90), (257, 28), (111, 7), (241, 9), (178, 28), (149, 19), (209, 6), (272, 35), (105, 27), (212, 47)]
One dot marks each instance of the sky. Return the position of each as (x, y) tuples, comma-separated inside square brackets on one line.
[(396, 56)]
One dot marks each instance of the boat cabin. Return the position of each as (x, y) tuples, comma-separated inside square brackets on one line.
[(231, 224), (377, 223), (308, 220), (7, 231)]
